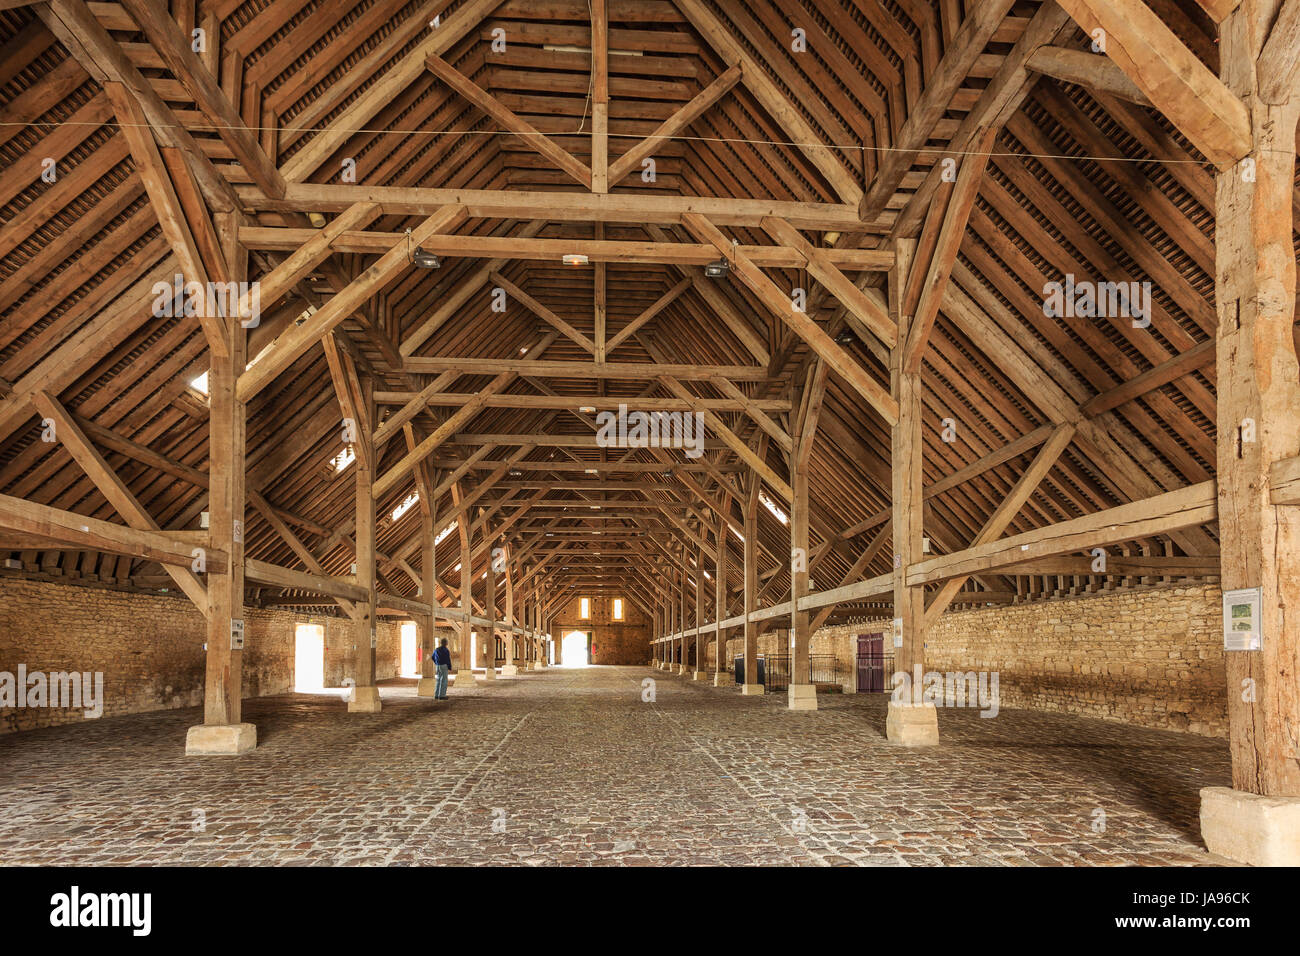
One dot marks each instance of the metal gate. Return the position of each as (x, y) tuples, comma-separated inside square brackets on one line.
[(873, 664)]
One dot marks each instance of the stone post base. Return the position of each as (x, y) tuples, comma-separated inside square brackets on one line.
[(753, 689), (912, 725), (682, 669), (464, 677), (490, 673), (724, 679), (1249, 828), (541, 665), (365, 700), (802, 697), (700, 675), (509, 670), (427, 687), (212, 740)]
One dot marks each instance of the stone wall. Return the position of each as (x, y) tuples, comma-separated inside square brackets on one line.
[(1146, 656), (613, 642), (150, 647)]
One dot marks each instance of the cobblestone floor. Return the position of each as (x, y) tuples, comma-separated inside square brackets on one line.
[(571, 767)]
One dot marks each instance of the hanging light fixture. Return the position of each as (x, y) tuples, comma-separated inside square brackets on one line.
[(418, 257)]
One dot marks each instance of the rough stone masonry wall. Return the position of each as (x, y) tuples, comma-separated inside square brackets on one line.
[(1146, 656), (613, 642), (150, 647)]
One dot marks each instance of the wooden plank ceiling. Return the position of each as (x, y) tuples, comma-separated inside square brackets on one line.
[(1083, 180)]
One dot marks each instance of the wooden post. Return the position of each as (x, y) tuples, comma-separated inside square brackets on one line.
[(802, 694), (1258, 425), (681, 617), (222, 730), (699, 672), (908, 723), (488, 641), (751, 684), (465, 671), (509, 669), (722, 675), (365, 695)]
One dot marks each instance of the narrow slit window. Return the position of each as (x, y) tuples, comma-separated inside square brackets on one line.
[(584, 609), (618, 609)]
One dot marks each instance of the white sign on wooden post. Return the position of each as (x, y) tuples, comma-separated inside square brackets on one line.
[(236, 635), (1242, 620)]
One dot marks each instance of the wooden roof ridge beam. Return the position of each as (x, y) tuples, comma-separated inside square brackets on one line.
[(293, 342), (114, 489), (820, 266), (649, 313), (542, 312), (299, 264), (528, 134), (1187, 507), (383, 90), (1173, 79), (175, 49), (684, 117), (80, 532), (961, 53), (1006, 511), (799, 322), (1093, 71), (166, 205), (939, 271), (769, 95)]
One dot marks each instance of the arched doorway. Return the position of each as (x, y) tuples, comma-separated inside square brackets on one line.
[(574, 650)]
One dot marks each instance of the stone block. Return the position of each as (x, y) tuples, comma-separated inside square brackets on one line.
[(748, 689), (912, 725), (1250, 828), (365, 700), (802, 697), (216, 740)]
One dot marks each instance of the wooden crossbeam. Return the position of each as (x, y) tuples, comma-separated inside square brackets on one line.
[(314, 249), (1170, 75), (1187, 507), (581, 370), (526, 132), (542, 312), (552, 206), (647, 314), (81, 532)]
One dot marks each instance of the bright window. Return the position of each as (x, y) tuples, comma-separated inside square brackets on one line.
[(584, 609), (618, 609)]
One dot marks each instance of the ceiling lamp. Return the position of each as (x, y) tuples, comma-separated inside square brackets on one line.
[(718, 269), (575, 259), (587, 409), (420, 258), (590, 471), (844, 337)]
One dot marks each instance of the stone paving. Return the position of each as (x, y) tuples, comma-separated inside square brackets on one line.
[(571, 766)]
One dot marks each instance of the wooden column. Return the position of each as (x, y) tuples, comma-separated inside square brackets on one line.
[(465, 666), (907, 724), (681, 617), (802, 695), (509, 670), (428, 582), (223, 730), (488, 641), (722, 675), (365, 695), (1258, 386), (698, 672), (751, 684)]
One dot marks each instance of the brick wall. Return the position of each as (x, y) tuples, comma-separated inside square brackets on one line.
[(613, 642), (150, 648), (1146, 656)]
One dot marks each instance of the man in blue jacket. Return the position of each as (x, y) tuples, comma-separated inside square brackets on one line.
[(442, 667)]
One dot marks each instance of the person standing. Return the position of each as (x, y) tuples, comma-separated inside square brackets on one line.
[(442, 667)]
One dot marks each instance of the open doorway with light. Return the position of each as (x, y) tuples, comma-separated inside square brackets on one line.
[(309, 658), (410, 662), (573, 651)]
